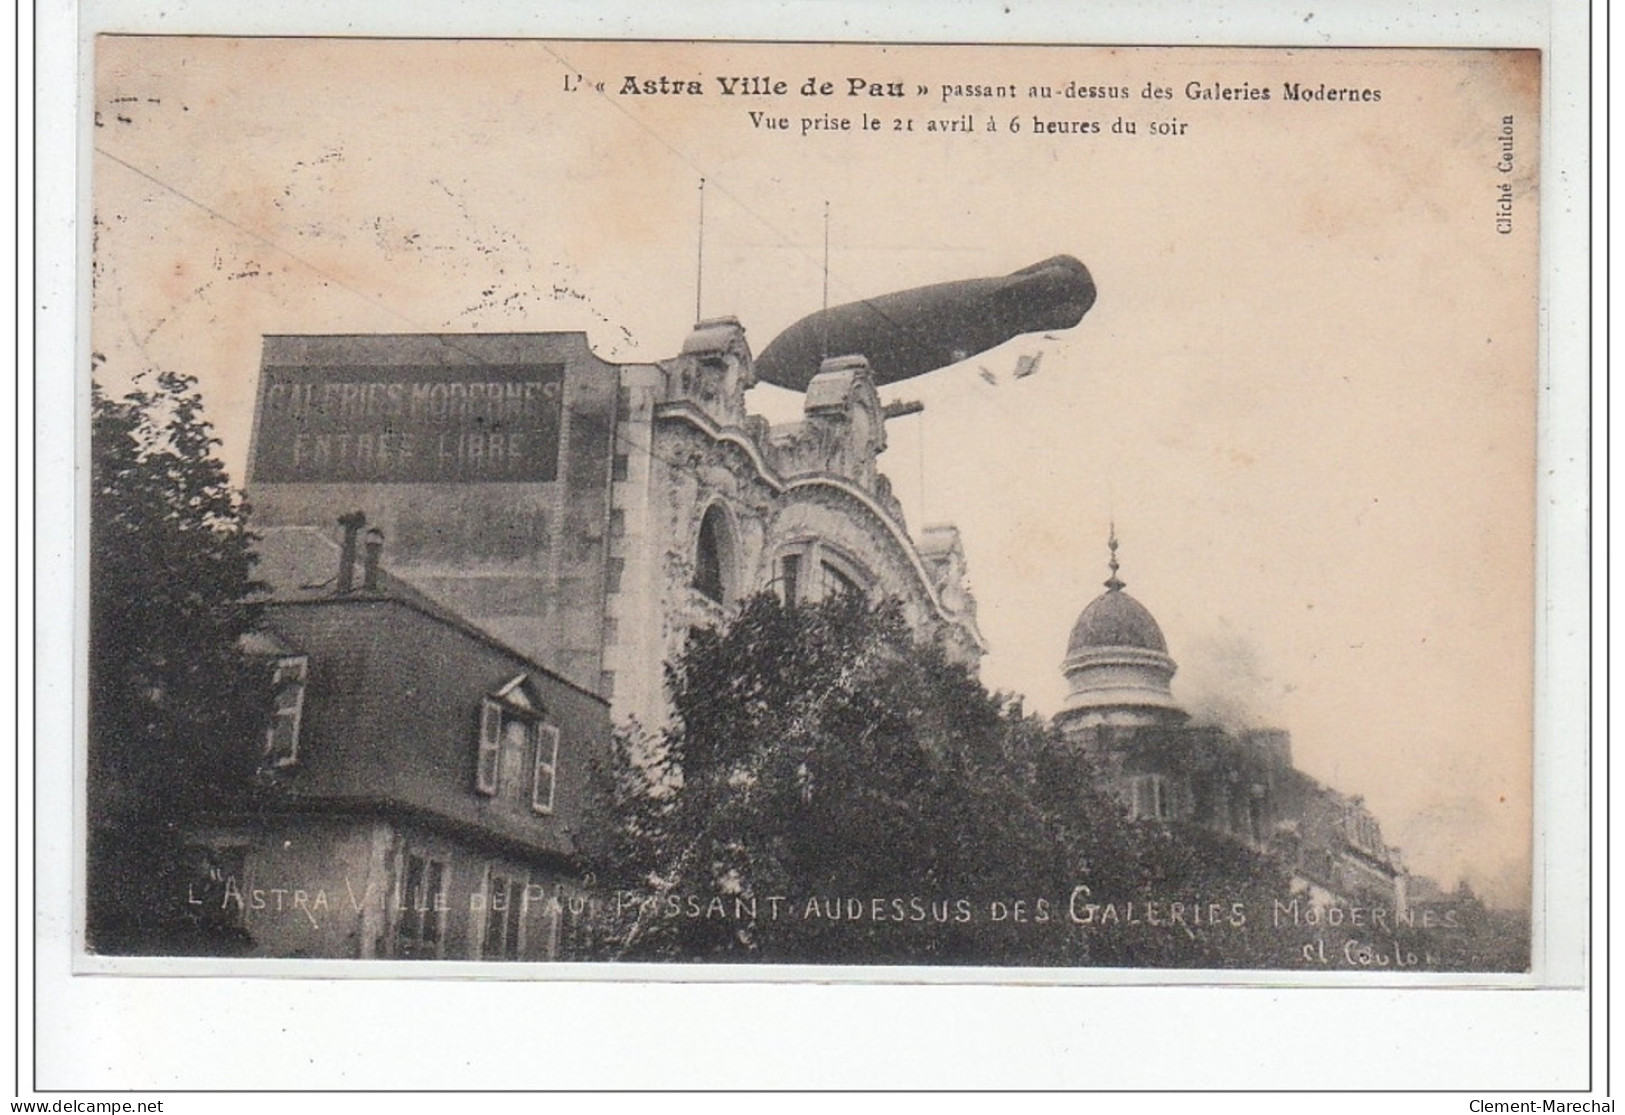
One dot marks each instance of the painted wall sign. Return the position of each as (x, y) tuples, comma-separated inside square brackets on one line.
[(409, 424)]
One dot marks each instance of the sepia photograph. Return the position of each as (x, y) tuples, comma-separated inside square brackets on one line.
[(582, 503)]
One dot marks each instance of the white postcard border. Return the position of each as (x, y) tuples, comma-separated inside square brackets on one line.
[(154, 1031)]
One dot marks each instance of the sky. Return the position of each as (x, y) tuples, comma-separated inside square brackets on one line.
[(1305, 395)]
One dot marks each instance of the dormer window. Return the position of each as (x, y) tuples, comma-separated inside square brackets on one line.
[(518, 754), (1363, 832), (282, 736)]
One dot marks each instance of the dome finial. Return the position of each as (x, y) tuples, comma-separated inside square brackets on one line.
[(1113, 583)]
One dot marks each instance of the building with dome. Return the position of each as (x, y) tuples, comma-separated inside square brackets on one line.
[(1117, 665), (1120, 710)]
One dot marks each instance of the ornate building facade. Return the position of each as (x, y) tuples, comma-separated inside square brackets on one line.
[(556, 526), (590, 514)]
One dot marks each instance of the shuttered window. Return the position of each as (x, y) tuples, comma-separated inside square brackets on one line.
[(282, 737), (421, 906), (504, 915), (545, 779), (489, 765)]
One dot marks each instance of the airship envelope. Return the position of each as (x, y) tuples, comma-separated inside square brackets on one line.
[(916, 331)]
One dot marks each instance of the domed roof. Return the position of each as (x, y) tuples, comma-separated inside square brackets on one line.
[(1115, 619), (1117, 666)]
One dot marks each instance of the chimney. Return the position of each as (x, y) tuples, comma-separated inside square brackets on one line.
[(352, 524), (373, 547)]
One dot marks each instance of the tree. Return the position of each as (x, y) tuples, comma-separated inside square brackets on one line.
[(176, 710), (820, 761), (833, 792)]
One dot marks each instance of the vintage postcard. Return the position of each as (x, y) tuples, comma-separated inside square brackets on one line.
[(798, 506)]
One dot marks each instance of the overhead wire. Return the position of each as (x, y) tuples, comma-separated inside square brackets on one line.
[(476, 359), (721, 187), (444, 339), (449, 341)]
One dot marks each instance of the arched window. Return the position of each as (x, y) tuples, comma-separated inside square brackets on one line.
[(839, 575), (714, 557), (837, 582), (811, 569)]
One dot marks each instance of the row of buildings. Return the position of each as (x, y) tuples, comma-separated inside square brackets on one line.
[(483, 549)]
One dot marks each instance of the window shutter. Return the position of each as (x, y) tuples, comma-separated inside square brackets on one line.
[(490, 753), (547, 759), (496, 909), (282, 737), (434, 890)]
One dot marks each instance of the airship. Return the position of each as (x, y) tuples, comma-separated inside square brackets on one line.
[(911, 332)]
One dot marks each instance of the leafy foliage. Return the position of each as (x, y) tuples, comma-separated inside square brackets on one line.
[(176, 713), (833, 792)]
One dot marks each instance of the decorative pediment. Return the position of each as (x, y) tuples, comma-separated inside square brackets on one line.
[(518, 695)]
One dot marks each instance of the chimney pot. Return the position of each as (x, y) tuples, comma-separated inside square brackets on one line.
[(374, 548), (352, 524)]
